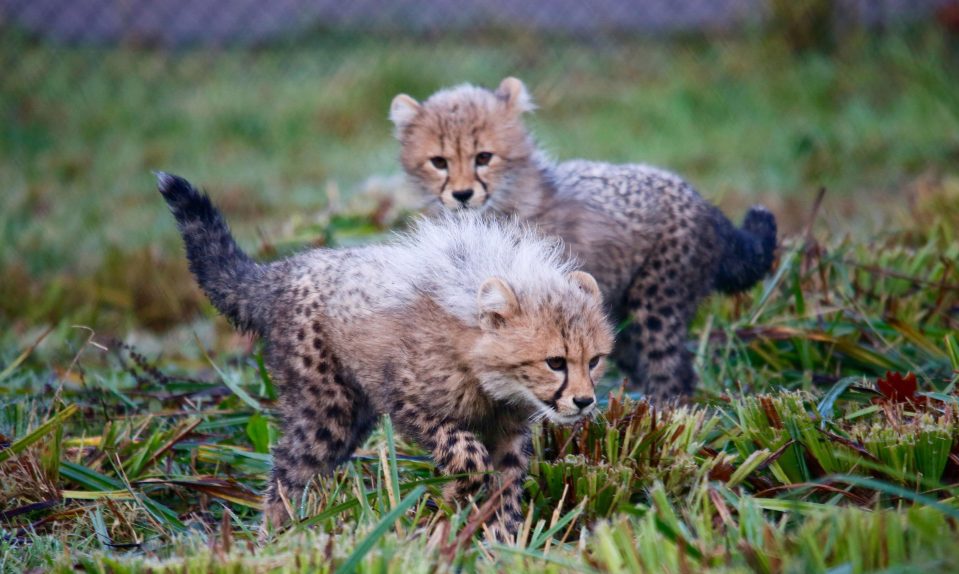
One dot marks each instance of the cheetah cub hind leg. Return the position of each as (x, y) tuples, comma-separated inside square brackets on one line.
[(325, 417)]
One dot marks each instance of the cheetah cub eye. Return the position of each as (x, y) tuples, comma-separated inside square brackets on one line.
[(439, 162), (556, 363), (594, 361), (483, 158)]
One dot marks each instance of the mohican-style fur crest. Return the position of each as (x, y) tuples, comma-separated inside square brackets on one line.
[(654, 245), (464, 330)]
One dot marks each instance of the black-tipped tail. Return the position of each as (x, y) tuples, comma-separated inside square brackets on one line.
[(235, 284), (749, 251)]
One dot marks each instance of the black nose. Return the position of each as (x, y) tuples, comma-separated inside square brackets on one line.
[(463, 195), (582, 402)]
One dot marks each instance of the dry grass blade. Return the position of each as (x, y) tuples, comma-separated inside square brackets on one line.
[(15, 364)]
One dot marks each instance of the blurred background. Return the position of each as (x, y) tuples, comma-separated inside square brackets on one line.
[(279, 109)]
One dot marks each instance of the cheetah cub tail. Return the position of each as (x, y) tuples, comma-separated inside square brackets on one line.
[(748, 251), (237, 286)]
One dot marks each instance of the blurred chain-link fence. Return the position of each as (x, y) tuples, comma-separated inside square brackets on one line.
[(218, 22)]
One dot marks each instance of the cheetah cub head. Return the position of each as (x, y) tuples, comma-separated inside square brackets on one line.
[(464, 143), (543, 352)]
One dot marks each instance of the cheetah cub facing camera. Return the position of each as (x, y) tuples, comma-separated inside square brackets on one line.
[(464, 331), (653, 244)]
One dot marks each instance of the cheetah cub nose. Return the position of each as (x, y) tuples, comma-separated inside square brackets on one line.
[(463, 196), (582, 402)]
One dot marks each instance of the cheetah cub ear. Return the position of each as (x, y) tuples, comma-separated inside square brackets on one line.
[(513, 92), (496, 302), (586, 282), (402, 111)]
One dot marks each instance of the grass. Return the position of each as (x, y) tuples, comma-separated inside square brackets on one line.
[(296, 130), (135, 426)]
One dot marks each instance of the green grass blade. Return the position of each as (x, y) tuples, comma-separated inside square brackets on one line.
[(385, 523), (38, 433), (894, 490), (229, 382)]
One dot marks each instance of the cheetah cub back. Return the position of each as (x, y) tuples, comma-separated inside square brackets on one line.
[(464, 331), (654, 245)]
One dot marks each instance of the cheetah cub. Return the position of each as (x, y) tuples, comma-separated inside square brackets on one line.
[(653, 244), (464, 331)]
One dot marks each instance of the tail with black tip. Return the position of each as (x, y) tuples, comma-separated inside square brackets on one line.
[(237, 286), (748, 251)]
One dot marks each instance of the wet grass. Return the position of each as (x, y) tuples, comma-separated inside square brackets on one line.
[(809, 448)]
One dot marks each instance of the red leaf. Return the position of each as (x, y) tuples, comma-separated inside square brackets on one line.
[(899, 388)]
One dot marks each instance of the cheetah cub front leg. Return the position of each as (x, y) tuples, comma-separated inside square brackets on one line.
[(510, 457), (461, 452)]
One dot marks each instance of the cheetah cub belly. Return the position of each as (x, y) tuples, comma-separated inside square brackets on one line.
[(653, 244), (464, 331)]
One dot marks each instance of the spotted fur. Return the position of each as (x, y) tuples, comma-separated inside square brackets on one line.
[(654, 245), (451, 329)]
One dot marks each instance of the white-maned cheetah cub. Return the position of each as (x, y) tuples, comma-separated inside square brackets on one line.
[(654, 245), (464, 331)]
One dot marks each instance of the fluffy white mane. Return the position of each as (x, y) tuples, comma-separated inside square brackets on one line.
[(449, 257)]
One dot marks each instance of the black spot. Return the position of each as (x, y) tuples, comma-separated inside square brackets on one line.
[(317, 343), (669, 292), (317, 327), (310, 460), (307, 362), (471, 448), (652, 290), (510, 460), (300, 335), (335, 412), (299, 434), (655, 355), (653, 323), (450, 443), (309, 413), (666, 311), (469, 465), (323, 367), (322, 434)]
